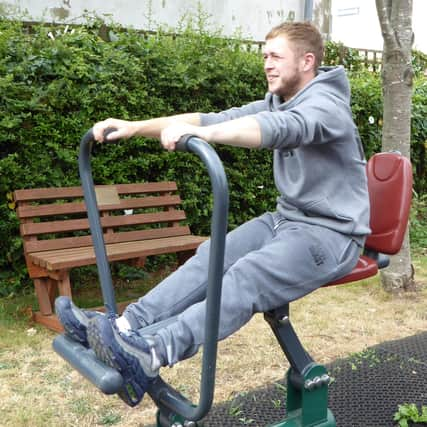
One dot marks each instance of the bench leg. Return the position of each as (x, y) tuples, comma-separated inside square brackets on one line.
[(64, 285), (45, 292), (47, 289)]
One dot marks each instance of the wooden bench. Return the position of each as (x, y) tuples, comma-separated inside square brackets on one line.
[(138, 220)]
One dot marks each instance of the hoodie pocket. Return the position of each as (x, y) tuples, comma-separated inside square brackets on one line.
[(323, 208)]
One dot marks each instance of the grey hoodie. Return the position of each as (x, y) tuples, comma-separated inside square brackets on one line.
[(319, 165)]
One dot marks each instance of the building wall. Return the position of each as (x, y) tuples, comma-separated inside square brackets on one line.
[(253, 18), (355, 23)]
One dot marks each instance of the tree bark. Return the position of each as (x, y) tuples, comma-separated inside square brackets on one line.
[(395, 17)]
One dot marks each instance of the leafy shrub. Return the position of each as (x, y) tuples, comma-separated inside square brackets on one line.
[(367, 108), (419, 62), (419, 134), (418, 229), (336, 53), (56, 82)]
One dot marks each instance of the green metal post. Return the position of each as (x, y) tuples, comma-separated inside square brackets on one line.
[(307, 399)]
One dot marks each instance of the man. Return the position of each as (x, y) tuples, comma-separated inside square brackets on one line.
[(314, 236)]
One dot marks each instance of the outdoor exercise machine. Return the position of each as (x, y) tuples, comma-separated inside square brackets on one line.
[(390, 189)]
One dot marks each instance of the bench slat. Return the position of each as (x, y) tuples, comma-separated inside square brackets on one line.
[(79, 207), (31, 229), (76, 257), (122, 236), (37, 194)]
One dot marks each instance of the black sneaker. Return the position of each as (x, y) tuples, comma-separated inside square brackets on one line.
[(130, 354), (73, 319)]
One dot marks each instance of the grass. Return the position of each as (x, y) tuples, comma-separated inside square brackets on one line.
[(37, 388)]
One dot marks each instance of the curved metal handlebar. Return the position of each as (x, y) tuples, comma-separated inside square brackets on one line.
[(88, 185), (164, 395)]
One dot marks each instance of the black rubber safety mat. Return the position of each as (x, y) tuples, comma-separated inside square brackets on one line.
[(414, 347), (366, 390)]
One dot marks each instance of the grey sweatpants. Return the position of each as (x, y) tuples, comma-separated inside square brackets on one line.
[(269, 262)]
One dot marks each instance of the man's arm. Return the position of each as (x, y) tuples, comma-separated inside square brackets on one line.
[(151, 128), (242, 132)]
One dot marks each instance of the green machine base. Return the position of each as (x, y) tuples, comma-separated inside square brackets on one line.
[(307, 399), (294, 419)]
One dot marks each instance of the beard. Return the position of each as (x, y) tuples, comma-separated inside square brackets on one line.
[(289, 85)]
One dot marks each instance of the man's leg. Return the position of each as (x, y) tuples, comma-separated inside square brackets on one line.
[(187, 285), (299, 259)]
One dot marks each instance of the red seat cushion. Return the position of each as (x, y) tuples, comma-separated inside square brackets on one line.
[(365, 267), (390, 191)]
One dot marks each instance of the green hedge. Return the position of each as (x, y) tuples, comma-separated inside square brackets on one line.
[(56, 82)]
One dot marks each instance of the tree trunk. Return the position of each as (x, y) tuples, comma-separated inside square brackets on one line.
[(395, 18)]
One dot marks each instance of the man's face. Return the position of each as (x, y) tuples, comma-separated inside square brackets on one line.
[(282, 68)]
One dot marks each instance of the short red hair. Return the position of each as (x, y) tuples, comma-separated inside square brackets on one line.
[(303, 36)]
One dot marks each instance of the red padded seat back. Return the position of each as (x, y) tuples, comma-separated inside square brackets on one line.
[(390, 194)]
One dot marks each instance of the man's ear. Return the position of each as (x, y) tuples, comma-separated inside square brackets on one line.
[(309, 61)]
